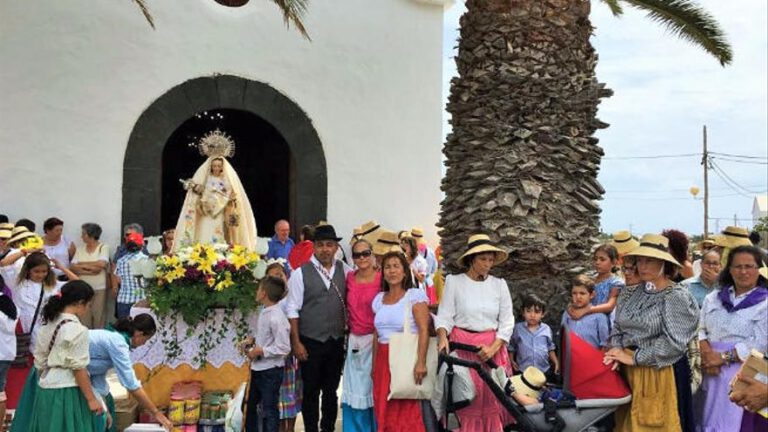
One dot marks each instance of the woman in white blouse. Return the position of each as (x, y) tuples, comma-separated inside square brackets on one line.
[(476, 309)]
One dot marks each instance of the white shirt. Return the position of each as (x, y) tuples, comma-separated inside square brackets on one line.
[(476, 306), (25, 296), (69, 352), (273, 335), (7, 338), (59, 251), (294, 301), (389, 319)]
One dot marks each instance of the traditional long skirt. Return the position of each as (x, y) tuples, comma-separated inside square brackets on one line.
[(654, 404), (396, 415), (61, 410), (23, 415), (291, 391), (357, 387), (485, 413), (716, 411)]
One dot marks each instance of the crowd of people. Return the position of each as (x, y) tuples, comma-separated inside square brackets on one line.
[(676, 325)]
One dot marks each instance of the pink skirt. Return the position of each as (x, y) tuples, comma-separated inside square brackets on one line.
[(485, 414)]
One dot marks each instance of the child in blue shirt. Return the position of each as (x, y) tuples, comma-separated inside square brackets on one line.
[(592, 328), (531, 343)]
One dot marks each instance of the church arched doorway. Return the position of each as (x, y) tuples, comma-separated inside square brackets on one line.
[(262, 160), (279, 157)]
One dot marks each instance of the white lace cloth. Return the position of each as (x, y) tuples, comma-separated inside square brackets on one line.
[(152, 353)]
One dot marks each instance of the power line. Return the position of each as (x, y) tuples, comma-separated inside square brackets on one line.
[(744, 161), (653, 157), (738, 156), (729, 181)]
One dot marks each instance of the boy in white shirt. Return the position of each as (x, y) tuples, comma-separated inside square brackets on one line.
[(267, 352)]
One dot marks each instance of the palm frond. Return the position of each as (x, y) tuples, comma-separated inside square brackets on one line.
[(615, 7), (293, 12), (688, 21), (145, 11)]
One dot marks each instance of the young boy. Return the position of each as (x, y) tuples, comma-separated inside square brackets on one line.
[(592, 328), (267, 352), (531, 343)]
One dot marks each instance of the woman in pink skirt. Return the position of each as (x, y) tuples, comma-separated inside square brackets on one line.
[(476, 309)]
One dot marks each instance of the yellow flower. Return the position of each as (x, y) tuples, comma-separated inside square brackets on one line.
[(176, 272), (226, 283), (239, 261), (211, 282)]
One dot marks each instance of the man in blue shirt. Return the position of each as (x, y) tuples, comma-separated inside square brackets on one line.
[(280, 244), (703, 284)]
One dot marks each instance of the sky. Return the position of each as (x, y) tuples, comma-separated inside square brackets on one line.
[(665, 90)]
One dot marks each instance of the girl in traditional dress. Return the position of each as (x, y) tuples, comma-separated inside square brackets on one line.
[(734, 320), (216, 208), (64, 401), (110, 349), (363, 285)]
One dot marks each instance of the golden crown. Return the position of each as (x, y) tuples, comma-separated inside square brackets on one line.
[(216, 144)]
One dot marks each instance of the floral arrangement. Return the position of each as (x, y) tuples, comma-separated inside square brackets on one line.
[(201, 277)]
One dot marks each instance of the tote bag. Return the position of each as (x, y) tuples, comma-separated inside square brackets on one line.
[(403, 352)]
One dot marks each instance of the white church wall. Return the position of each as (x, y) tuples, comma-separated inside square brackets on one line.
[(75, 78)]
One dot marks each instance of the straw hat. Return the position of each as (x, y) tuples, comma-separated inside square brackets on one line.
[(654, 246), (6, 226), (370, 231), (19, 233), (530, 382), (386, 242), (5, 233), (624, 242), (355, 235), (478, 243), (418, 234), (706, 243), (733, 236)]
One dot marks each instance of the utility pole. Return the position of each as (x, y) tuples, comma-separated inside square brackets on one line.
[(705, 163), (735, 220)]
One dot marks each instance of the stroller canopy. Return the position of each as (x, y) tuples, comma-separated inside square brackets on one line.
[(584, 373)]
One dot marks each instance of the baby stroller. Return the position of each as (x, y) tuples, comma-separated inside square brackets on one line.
[(597, 390)]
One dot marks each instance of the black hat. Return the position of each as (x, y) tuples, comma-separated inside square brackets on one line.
[(326, 232)]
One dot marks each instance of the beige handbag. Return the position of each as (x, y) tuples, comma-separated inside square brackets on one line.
[(403, 352)]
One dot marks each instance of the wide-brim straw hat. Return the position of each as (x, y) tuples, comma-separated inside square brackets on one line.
[(386, 242), (6, 226), (479, 243), (624, 242), (418, 234), (355, 236), (654, 246), (530, 382), (733, 236), (370, 231), (5, 234), (20, 233)]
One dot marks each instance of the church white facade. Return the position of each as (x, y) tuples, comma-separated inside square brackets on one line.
[(90, 95)]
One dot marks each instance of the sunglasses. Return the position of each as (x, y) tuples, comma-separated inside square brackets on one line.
[(363, 254)]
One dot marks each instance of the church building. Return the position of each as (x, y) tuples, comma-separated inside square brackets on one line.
[(98, 110)]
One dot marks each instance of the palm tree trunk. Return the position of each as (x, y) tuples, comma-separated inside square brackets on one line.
[(522, 160)]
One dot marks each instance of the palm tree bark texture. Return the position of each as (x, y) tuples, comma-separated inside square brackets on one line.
[(522, 160)]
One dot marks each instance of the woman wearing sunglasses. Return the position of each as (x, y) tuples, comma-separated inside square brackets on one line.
[(357, 393)]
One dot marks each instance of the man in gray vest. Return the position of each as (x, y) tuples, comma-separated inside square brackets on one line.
[(316, 308)]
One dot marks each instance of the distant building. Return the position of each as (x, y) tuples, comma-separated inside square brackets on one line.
[(759, 208)]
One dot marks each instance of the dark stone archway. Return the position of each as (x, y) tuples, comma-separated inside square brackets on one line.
[(142, 166)]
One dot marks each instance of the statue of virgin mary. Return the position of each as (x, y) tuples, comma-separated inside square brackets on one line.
[(216, 208)]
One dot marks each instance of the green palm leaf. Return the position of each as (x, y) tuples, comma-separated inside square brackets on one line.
[(614, 6), (688, 21), (293, 12), (145, 11)]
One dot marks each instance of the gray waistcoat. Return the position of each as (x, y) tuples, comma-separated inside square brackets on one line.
[(322, 314)]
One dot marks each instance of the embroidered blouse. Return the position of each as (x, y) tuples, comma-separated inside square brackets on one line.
[(747, 327), (69, 352)]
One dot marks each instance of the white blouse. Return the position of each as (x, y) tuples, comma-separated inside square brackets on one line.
[(26, 294), (476, 306), (69, 352)]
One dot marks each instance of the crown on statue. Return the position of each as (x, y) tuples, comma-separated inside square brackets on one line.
[(216, 144)]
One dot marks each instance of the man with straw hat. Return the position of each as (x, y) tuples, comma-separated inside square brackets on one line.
[(316, 308), (653, 327)]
